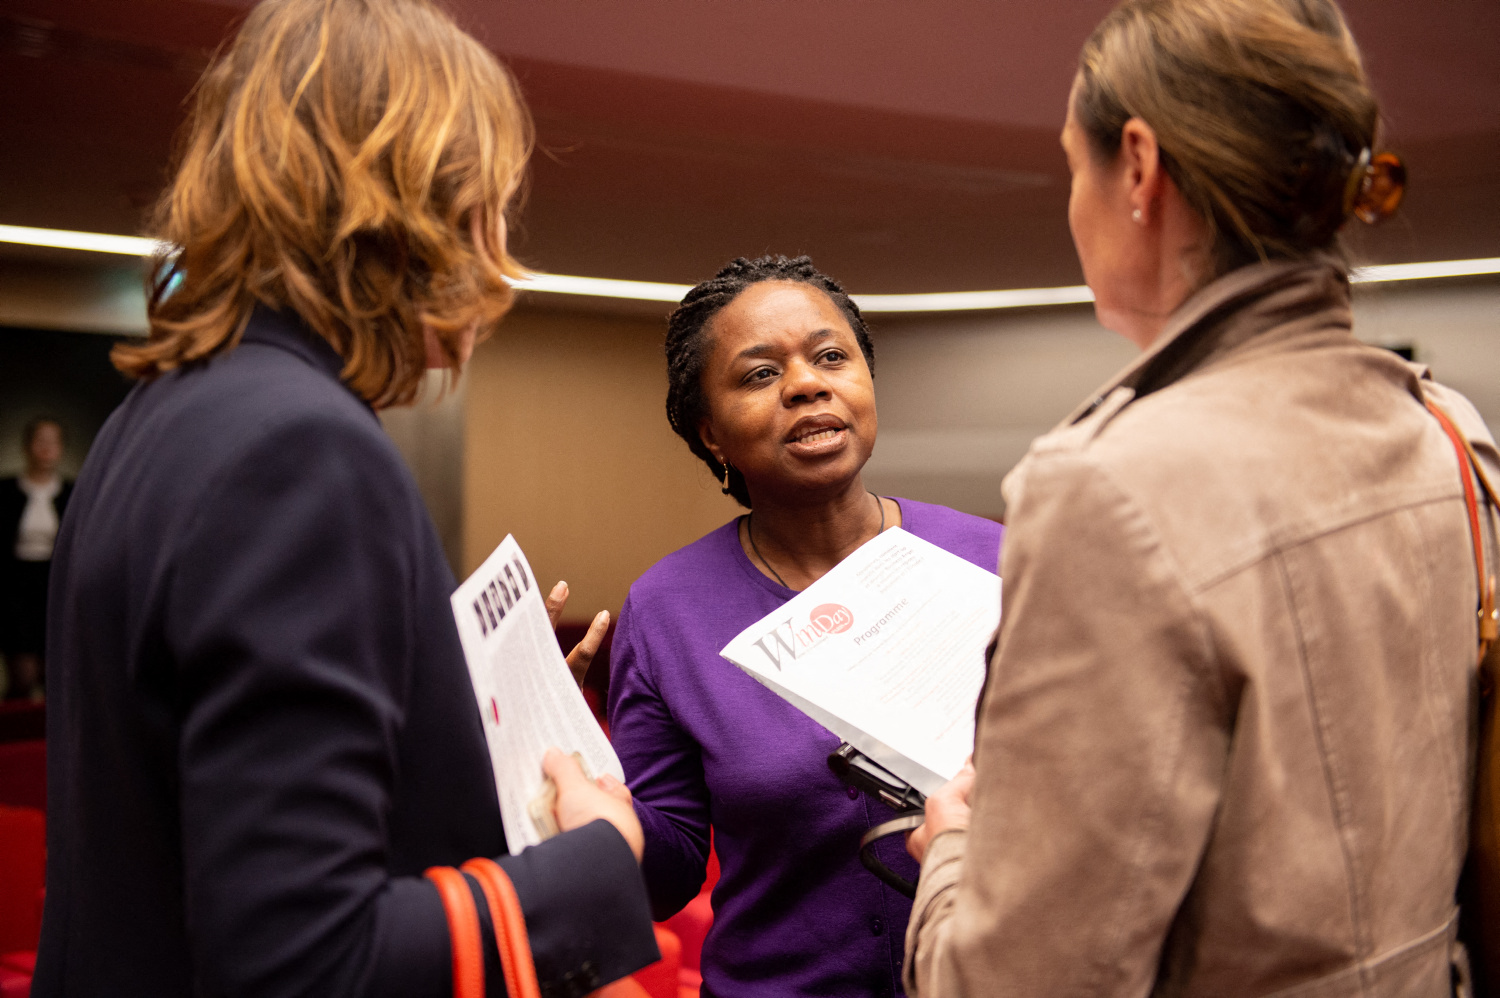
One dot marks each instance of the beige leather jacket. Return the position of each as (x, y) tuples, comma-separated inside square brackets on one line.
[(1224, 748)]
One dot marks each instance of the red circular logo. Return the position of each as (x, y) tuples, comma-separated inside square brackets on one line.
[(831, 618)]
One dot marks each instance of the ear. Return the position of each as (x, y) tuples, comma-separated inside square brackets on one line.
[(706, 434), (1144, 176)]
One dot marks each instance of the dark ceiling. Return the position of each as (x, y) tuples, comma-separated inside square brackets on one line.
[(907, 147)]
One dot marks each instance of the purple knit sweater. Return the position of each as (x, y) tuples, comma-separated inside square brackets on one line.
[(703, 744)]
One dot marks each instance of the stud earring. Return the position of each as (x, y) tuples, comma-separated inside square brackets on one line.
[(1136, 216)]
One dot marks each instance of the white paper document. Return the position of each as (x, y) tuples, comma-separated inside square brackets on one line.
[(526, 693), (887, 652)]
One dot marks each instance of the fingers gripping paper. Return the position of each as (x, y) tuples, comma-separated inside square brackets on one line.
[(526, 693), (887, 652)]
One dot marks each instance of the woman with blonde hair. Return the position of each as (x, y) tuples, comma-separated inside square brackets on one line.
[(262, 730), (1224, 745)]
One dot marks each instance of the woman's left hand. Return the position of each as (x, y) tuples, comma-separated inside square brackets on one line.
[(582, 655), (947, 809)]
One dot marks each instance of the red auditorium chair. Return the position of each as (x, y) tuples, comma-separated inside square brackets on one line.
[(23, 774), (691, 926), (660, 979), (23, 856), (23, 842), (23, 755), (15, 974)]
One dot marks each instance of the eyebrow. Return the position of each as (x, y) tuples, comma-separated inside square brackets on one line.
[(762, 349)]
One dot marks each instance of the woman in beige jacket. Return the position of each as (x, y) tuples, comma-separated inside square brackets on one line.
[(1224, 744)]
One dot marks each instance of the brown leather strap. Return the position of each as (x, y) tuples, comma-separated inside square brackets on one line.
[(1468, 463), (510, 927), (463, 931)]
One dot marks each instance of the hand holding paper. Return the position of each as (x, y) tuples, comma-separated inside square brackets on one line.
[(527, 697), (581, 800), (886, 651), (946, 810)]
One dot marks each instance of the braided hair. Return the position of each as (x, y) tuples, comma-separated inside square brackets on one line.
[(689, 346)]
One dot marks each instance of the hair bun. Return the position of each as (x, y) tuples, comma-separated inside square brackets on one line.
[(1376, 187)]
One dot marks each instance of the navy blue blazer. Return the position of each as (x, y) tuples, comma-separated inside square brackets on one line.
[(260, 726)]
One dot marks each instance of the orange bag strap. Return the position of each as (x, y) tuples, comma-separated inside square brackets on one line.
[(510, 927), (1489, 621), (463, 931)]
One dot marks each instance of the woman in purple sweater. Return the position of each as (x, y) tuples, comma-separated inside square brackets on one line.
[(770, 371)]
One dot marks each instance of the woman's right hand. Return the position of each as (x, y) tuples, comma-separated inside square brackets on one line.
[(580, 800)]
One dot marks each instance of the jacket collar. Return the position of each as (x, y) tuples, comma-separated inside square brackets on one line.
[(286, 331), (1244, 306)]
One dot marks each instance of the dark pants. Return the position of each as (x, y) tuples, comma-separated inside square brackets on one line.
[(23, 611)]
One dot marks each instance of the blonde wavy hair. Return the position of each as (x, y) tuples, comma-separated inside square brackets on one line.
[(350, 161)]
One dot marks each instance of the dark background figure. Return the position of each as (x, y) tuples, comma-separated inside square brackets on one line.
[(31, 508)]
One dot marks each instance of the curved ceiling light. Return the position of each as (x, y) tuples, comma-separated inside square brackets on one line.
[(603, 287), (974, 301), (948, 301), (1424, 271), (92, 242)]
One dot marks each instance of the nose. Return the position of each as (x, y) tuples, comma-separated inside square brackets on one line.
[(804, 382)]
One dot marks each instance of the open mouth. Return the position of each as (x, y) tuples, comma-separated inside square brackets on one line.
[(818, 436)]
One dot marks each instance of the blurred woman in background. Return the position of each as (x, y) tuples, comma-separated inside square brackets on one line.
[(31, 509), (262, 730), (1224, 748), (770, 372)]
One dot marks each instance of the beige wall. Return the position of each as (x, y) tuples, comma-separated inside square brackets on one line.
[(961, 397), (567, 447), (430, 436)]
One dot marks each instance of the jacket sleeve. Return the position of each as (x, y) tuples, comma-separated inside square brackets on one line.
[(289, 618), (1099, 751), (664, 769)]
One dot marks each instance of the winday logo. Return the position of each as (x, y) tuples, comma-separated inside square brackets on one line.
[(784, 642)]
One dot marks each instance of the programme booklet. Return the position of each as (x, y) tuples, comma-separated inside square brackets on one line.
[(526, 693), (886, 651)]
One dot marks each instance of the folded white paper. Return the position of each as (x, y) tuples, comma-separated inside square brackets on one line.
[(887, 652), (526, 693)]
